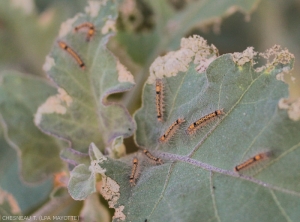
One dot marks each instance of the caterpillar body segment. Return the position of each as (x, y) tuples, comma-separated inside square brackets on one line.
[(65, 47), (86, 25), (171, 130), (192, 128)]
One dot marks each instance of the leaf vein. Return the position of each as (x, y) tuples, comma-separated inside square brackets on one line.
[(213, 197), (284, 214), (164, 188), (186, 159)]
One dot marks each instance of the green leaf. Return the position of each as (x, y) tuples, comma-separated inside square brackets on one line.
[(8, 205), (28, 34), (83, 177), (169, 25), (93, 210), (74, 158), (60, 207), (197, 180), (20, 95), (9, 175), (81, 113), (82, 182), (197, 14)]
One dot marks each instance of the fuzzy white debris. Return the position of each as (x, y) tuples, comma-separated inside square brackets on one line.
[(285, 70), (244, 57), (280, 76), (283, 103), (119, 213), (204, 63), (274, 56), (110, 189), (123, 74), (193, 49), (48, 64), (54, 104), (292, 107)]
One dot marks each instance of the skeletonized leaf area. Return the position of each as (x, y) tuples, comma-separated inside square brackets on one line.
[(197, 181)]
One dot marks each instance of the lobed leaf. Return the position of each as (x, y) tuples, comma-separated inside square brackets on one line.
[(82, 182), (168, 25), (60, 207), (9, 175), (83, 177), (197, 180), (81, 113), (38, 153), (158, 26), (8, 205), (27, 34), (93, 210)]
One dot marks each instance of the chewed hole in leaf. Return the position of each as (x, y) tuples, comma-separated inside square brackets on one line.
[(81, 65), (238, 118)]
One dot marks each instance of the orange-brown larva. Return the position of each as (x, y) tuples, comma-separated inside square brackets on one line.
[(90, 32), (250, 162), (171, 130), (200, 122), (151, 157), (159, 97), (65, 47), (134, 171)]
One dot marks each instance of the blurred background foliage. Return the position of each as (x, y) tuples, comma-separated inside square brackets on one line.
[(273, 22), (26, 38)]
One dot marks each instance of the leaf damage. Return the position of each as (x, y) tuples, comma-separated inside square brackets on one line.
[(49, 63), (274, 56), (103, 76), (110, 25), (109, 189), (194, 49), (248, 98), (240, 58), (123, 74), (54, 104), (292, 107), (67, 26)]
